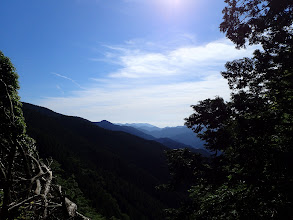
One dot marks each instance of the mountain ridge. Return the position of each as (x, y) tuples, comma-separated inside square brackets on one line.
[(140, 132), (116, 171), (180, 134), (144, 126)]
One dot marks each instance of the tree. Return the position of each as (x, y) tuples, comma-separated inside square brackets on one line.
[(13, 138), (258, 21), (253, 131), (26, 189)]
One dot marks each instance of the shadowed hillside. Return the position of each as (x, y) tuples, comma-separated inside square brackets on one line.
[(116, 171)]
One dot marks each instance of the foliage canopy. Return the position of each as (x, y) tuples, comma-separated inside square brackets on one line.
[(252, 176)]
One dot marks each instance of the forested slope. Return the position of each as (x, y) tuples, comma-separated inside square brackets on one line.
[(116, 171)]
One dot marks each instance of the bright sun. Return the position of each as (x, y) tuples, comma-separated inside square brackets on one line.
[(171, 7), (174, 10), (176, 4), (171, 3)]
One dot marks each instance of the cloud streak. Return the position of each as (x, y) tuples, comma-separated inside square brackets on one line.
[(67, 78)]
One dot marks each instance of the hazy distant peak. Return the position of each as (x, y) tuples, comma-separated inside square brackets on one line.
[(105, 122), (143, 126)]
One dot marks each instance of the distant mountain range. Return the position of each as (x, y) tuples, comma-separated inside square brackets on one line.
[(172, 137), (143, 126), (125, 128)]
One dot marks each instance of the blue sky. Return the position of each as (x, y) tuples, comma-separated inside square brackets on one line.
[(119, 60)]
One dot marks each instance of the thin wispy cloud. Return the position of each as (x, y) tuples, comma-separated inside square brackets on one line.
[(60, 89), (185, 60), (68, 78)]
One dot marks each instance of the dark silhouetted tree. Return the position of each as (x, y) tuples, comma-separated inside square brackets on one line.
[(253, 131), (26, 189)]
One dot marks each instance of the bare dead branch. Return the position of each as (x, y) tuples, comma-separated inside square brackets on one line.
[(13, 207), (82, 216)]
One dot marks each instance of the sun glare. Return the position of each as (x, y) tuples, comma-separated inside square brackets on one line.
[(171, 3), (171, 8), (174, 2)]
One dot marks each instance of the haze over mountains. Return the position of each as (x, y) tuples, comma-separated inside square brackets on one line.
[(180, 134), (143, 126), (172, 137)]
